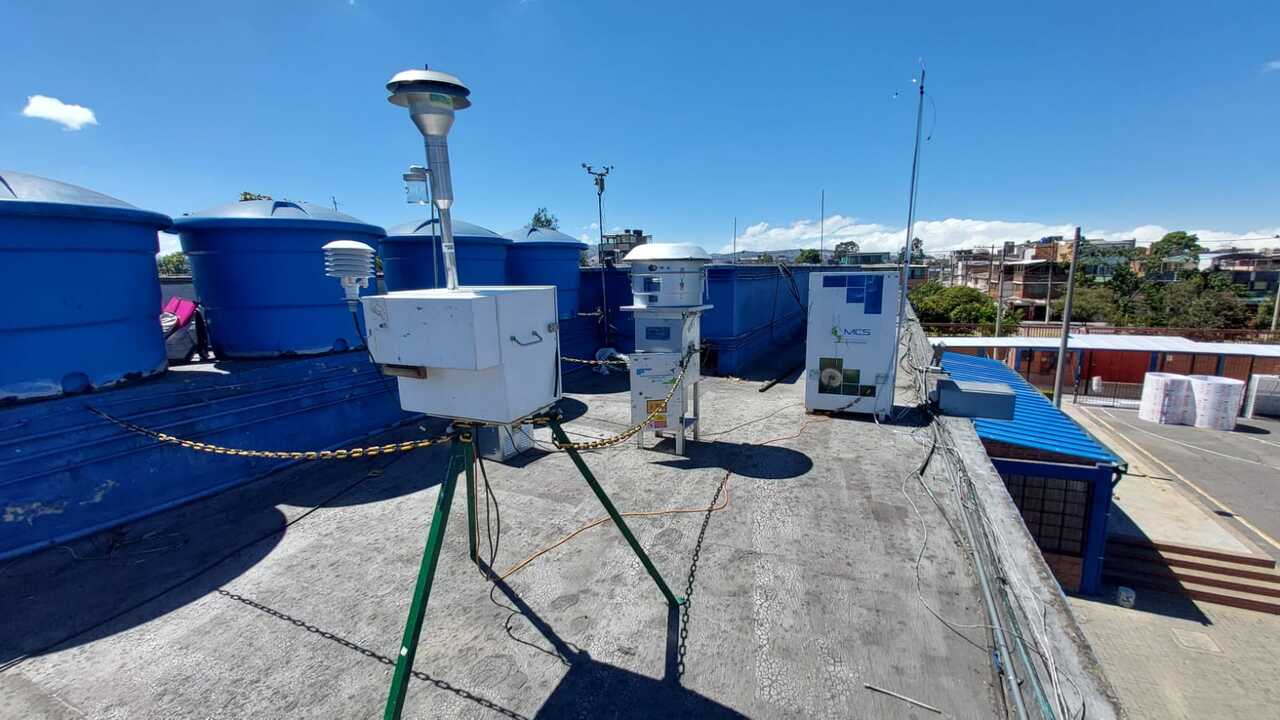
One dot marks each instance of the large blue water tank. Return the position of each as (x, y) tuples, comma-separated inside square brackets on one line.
[(258, 269), (541, 256), (81, 302), (412, 260)]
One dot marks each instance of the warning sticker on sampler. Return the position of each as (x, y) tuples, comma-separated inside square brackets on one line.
[(659, 420)]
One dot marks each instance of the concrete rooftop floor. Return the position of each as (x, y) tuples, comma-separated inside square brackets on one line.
[(287, 597)]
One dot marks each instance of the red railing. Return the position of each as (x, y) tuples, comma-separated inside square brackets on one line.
[(1244, 335)]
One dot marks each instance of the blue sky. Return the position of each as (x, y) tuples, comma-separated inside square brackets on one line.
[(1126, 118)]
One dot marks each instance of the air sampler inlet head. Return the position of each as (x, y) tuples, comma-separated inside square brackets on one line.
[(352, 263), (431, 98)]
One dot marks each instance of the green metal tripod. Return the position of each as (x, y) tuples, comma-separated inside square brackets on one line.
[(462, 456)]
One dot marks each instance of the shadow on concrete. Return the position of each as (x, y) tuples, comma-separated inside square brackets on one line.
[(572, 409), (1128, 563), (98, 586), (1251, 429), (371, 654), (766, 462), (592, 689), (587, 382)]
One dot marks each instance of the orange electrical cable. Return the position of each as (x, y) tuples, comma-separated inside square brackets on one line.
[(652, 513)]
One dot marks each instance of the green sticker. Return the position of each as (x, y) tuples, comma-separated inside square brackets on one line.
[(441, 100)]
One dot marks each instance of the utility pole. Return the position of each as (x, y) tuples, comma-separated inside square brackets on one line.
[(822, 225), (1066, 323), (1275, 311), (735, 240), (598, 178), (335, 202), (1048, 293), (1000, 296)]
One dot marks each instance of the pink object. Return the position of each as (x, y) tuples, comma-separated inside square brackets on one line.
[(181, 308)]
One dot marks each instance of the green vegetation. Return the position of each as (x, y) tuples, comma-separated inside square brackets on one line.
[(1195, 299), (844, 249), (544, 219), (809, 256), (937, 304), (174, 263)]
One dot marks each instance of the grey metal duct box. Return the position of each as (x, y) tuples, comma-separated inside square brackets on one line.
[(963, 398)]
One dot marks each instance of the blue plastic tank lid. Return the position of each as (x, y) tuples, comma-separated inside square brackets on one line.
[(275, 213), (25, 194), (543, 236), (429, 230)]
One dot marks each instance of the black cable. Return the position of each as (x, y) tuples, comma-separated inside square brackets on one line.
[(355, 318)]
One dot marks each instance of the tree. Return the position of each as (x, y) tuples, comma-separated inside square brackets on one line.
[(1090, 304), (174, 263), (1174, 244), (544, 219), (246, 196), (809, 256), (1125, 287), (767, 258), (845, 249), (917, 250), (1204, 300)]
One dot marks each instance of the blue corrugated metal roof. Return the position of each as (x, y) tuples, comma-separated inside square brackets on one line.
[(1036, 422)]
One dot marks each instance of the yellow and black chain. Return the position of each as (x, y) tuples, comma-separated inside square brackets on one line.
[(629, 432), (580, 361), (341, 454)]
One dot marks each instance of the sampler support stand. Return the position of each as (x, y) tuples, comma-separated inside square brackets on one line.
[(462, 456)]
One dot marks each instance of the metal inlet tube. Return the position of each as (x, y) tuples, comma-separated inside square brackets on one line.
[(442, 198)]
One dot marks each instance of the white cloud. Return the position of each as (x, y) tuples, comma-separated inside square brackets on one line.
[(1273, 65), (584, 237), (950, 234), (70, 117)]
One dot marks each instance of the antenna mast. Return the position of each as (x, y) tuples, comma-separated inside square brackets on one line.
[(598, 177)]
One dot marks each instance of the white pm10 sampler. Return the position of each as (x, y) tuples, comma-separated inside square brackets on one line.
[(668, 289), (484, 357), (851, 342)]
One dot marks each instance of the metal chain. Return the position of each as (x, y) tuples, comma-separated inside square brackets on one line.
[(683, 647), (580, 361), (341, 454), (629, 432)]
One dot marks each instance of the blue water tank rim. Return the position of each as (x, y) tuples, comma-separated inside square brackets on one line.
[(76, 211), (424, 231), (261, 214), (554, 238)]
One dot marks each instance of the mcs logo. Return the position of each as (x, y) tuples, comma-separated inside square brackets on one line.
[(843, 334)]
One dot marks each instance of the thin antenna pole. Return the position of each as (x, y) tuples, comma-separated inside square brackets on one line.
[(735, 240), (1066, 324), (822, 225), (598, 177), (911, 210), (335, 203)]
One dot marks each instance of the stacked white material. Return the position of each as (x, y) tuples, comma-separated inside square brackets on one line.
[(1167, 399), (1217, 401), (1263, 397)]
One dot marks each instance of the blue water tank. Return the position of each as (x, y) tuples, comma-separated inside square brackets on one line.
[(412, 260), (81, 305), (258, 270), (541, 256)]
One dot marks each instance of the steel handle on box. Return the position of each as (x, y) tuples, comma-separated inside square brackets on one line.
[(516, 340)]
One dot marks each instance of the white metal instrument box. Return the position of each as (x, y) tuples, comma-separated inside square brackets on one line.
[(486, 354), (852, 336), (652, 375)]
